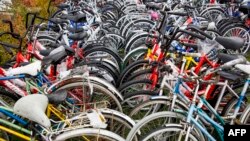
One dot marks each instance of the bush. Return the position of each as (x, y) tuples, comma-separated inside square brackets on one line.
[(19, 10)]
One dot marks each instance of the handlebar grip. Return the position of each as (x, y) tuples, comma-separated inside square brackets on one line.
[(193, 34), (234, 62), (200, 31)]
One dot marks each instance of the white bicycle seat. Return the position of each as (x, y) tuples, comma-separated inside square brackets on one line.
[(31, 69), (244, 68), (33, 108)]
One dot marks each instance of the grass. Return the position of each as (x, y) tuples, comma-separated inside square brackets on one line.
[(19, 9)]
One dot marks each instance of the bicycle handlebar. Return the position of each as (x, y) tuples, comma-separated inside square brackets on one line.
[(200, 31), (192, 34), (10, 24), (33, 19)]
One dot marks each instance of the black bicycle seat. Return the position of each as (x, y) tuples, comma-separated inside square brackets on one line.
[(78, 36), (75, 30), (233, 43), (57, 55), (57, 97), (229, 75), (59, 21), (75, 18), (45, 52), (224, 58)]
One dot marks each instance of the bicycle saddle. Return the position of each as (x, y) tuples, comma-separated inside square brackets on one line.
[(75, 18), (75, 30), (57, 97), (33, 108), (233, 43), (45, 52), (30, 69), (78, 36), (57, 55), (229, 75), (244, 68), (244, 9), (227, 57)]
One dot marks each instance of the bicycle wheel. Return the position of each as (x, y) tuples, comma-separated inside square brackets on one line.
[(135, 41), (133, 99), (230, 106), (135, 85), (79, 92), (153, 105), (101, 68), (213, 14), (130, 69), (152, 122), (245, 117), (89, 134), (99, 53), (241, 31), (7, 99), (134, 25), (171, 132), (118, 122), (134, 54)]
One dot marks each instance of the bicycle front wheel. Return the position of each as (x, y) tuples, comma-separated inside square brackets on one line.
[(89, 134), (170, 132)]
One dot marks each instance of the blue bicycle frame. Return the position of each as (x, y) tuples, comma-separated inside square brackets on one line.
[(193, 108)]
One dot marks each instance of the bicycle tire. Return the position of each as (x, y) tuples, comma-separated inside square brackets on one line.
[(118, 122), (172, 128), (230, 106), (9, 95), (105, 134), (245, 117), (160, 101), (140, 84), (111, 52), (114, 100), (130, 69), (136, 131)]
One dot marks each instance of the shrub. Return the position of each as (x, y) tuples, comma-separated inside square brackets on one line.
[(19, 10)]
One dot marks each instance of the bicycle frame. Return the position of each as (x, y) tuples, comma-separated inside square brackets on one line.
[(18, 86), (9, 113), (203, 102)]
